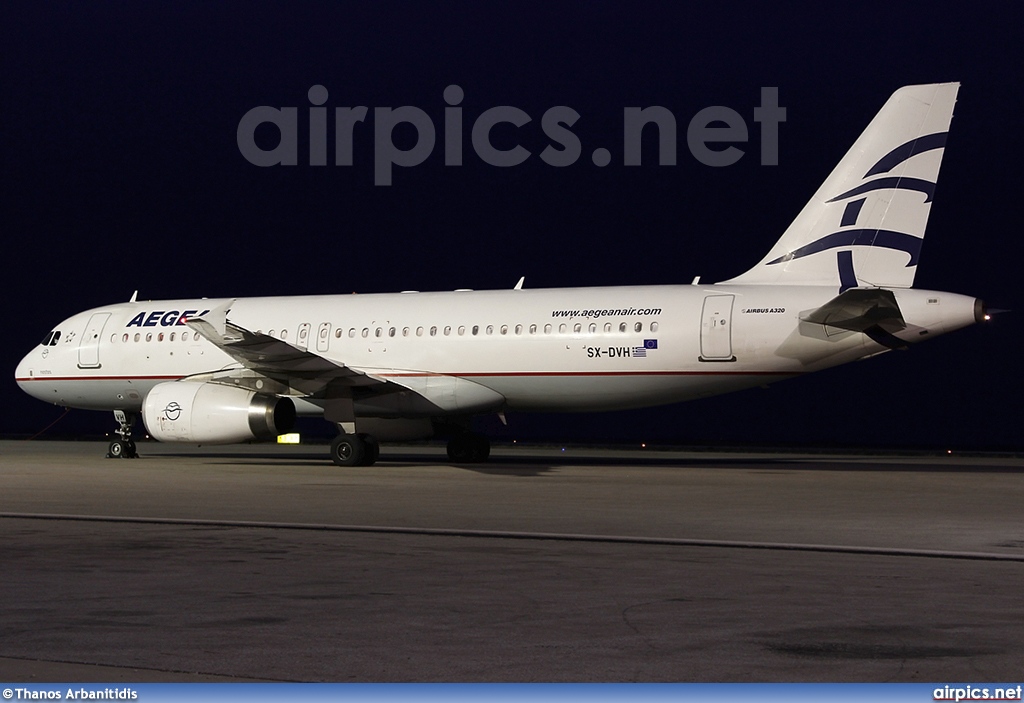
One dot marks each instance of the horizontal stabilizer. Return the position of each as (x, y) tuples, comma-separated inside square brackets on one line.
[(860, 310)]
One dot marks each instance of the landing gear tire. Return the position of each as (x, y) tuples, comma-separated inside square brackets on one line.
[(122, 449), (117, 449), (355, 450), (469, 447), (348, 450)]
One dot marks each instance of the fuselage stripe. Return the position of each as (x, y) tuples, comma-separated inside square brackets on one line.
[(480, 374), (513, 374), (99, 378)]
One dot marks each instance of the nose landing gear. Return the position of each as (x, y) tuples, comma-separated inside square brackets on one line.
[(124, 446)]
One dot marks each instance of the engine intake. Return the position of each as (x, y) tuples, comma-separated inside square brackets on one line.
[(209, 413)]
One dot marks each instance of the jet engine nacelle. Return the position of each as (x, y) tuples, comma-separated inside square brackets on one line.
[(208, 413)]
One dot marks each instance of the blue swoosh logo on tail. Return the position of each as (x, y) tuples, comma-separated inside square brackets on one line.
[(904, 151), (884, 238), (894, 182)]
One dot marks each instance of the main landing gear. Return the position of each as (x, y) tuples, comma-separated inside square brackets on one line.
[(355, 449), (123, 447), (363, 449)]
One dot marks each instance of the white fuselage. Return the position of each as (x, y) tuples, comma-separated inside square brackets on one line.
[(574, 349), (834, 288)]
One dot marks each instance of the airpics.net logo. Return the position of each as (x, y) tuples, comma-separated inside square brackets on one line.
[(712, 134)]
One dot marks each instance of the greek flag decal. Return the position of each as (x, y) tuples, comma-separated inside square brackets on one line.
[(641, 352)]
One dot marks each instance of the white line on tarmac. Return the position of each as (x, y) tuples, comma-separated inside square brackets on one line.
[(547, 536)]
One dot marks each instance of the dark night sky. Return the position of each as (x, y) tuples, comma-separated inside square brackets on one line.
[(121, 172)]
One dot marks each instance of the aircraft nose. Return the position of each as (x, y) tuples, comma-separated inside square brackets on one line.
[(23, 370), (26, 372)]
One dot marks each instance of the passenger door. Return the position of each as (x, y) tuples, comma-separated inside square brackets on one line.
[(89, 347), (716, 328)]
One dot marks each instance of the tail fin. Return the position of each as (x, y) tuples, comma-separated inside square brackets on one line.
[(865, 225)]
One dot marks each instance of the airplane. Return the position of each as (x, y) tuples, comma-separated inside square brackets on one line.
[(835, 288)]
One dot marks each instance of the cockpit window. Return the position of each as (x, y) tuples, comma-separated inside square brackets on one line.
[(51, 339)]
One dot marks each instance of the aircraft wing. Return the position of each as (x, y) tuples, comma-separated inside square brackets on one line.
[(274, 358)]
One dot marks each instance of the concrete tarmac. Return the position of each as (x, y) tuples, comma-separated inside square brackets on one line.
[(270, 563)]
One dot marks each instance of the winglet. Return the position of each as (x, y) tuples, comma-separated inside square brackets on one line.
[(134, 297), (214, 324), (519, 286)]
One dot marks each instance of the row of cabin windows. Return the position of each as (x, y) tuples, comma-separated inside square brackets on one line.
[(475, 330), (159, 336)]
